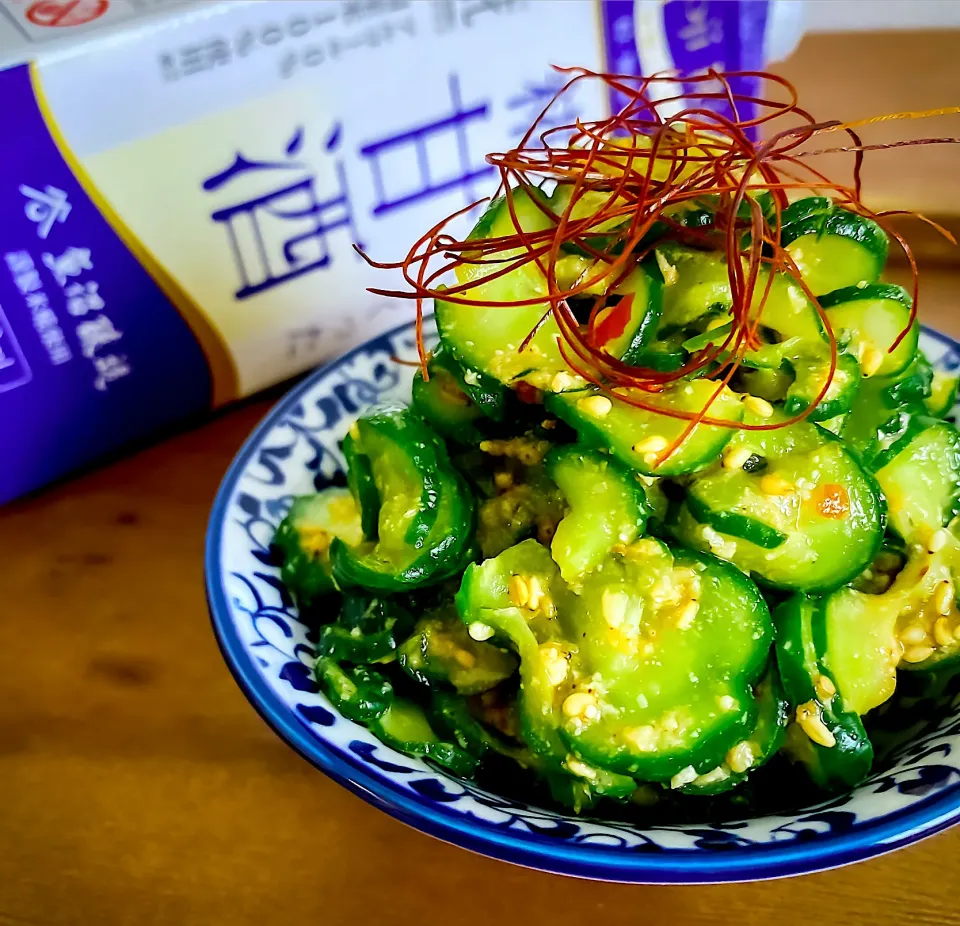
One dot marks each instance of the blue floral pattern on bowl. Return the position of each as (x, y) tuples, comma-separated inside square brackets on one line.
[(913, 793)]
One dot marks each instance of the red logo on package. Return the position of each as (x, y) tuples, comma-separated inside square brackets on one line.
[(66, 12)]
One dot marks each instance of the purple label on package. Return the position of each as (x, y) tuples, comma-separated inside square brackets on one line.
[(689, 38), (92, 354)]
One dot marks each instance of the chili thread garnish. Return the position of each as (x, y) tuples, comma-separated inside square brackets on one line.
[(630, 177)]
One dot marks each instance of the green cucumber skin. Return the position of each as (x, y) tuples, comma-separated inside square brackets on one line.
[(435, 546), (834, 221), (736, 525)]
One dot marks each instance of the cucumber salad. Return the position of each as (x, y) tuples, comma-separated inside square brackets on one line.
[(673, 496)]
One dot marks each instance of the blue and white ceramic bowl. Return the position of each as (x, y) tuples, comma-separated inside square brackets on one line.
[(914, 792)]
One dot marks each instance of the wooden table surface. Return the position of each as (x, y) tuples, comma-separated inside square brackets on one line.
[(137, 785)]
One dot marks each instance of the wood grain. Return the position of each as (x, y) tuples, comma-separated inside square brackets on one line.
[(138, 786), (850, 76)]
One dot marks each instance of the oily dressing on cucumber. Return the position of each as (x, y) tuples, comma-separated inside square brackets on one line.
[(675, 496), (809, 519)]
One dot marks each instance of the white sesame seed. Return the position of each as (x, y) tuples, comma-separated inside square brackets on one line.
[(519, 591), (943, 597), (775, 484), (938, 540), (915, 654), (825, 688), (810, 721), (537, 593), (555, 663), (758, 406), (735, 458), (653, 444), (913, 635), (613, 607), (727, 702), (580, 769), (741, 757), (564, 381), (685, 777), (596, 405), (581, 704), (941, 632)]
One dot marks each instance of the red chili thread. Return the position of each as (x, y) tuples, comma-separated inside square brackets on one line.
[(645, 162)]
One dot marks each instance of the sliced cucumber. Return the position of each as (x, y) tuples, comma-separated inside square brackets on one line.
[(811, 374), (912, 386), (635, 436), (646, 672), (827, 739), (697, 287), (874, 316), (359, 693), (878, 425), (694, 283), (743, 527), (579, 786), (812, 491), (922, 482), (304, 537), (771, 385), (488, 604), (444, 404), (406, 728), (488, 339), (669, 646), (943, 394), (367, 630), (861, 648), (662, 356), (362, 487), (427, 513), (832, 247), (607, 506), (453, 717), (802, 209), (758, 748), (924, 593), (834, 425), (623, 329), (440, 651)]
